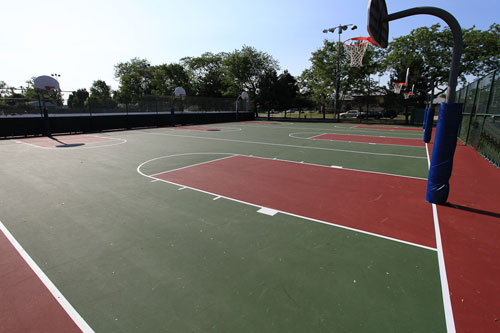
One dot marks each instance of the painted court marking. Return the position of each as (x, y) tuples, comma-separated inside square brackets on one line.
[(370, 139), (267, 211), (389, 128), (448, 310), (350, 138), (231, 185), (283, 145), (65, 142), (68, 308), (206, 128), (349, 129)]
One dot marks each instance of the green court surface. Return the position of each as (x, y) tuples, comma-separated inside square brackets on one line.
[(132, 253)]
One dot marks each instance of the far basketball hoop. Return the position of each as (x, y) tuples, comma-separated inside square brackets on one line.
[(180, 92), (356, 48), (46, 83)]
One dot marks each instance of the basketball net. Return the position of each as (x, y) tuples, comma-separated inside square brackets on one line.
[(408, 95), (398, 86), (356, 48)]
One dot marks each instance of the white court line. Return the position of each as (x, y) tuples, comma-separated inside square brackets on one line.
[(334, 166), (268, 211), (294, 135), (266, 158), (340, 128), (186, 128), (74, 315), (283, 145), (448, 310), (348, 134), (280, 211), (201, 163), (89, 145)]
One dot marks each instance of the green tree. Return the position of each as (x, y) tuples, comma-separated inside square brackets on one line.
[(243, 70), (100, 95), (206, 74), (165, 78), (267, 96), (427, 51), (319, 81), (77, 98), (135, 78)]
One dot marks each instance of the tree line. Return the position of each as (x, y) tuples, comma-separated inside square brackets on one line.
[(426, 50)]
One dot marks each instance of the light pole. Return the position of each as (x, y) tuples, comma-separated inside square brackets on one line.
[(340, 29)]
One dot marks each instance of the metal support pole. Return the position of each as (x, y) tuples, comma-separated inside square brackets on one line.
[(337, 79)]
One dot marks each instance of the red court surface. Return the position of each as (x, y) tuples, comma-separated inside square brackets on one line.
[(26, 305), (64, 140), (471, 242), (386, 205), (390, 128), (199, 128), (370, 139)]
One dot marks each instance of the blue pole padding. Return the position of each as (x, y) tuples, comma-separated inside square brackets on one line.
[(445, 143), (425, 117), (428, 123)]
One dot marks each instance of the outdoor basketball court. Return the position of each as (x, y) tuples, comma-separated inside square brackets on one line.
[(254, 226)]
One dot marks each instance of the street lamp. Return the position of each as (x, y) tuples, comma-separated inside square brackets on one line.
[(340, 29)]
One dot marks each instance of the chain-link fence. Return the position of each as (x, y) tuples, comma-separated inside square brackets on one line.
[(481, 116), (21, 117)]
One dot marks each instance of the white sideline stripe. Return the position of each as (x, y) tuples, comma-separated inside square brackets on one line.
[(448, 309), (334, 166), (283, 212), (294, 135), (201, 163), (74, 315), (267, 211), (282, 145), (216, 198), (337, 167), (339, 128)]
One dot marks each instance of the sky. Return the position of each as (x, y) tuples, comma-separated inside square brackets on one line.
[(82, 41)]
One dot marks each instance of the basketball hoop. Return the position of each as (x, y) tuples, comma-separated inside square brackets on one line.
[(408, 95), (356, 48), (398, 86), (46, 83)]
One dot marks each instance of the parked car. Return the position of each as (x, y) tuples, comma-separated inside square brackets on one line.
[(350, 114), (370, 114)]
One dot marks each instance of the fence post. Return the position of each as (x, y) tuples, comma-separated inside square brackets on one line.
[(472, 111), (488, 102)]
